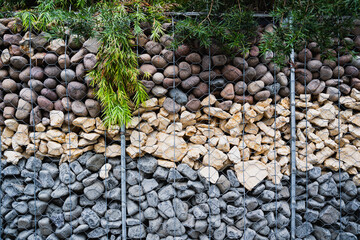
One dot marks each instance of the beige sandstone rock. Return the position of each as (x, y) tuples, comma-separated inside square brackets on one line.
[(90, 136), (6, 136), (40, 127), (274, 172), (234, 155), (100, 146), (134, 122), (20, 138), (190, 131), (198, 139), (83, 142), (251, 128), (11, 124), (138, 138), (55, 135), (166, 164), (350, 156), (268, 131), (72, 154), (113, 150), (87, 124), (235, 108), (223, 144), (145, 127), (153, 102), (104, 171), (12, 156), (216, 159), (56, 118), (216, 112), (208, 99), (174, 127), (133, 151), (210, 174), (235, 121), (303, 166), (253, 141), (356, 180), (54, 148), (43, 147), (355, 131), (250, 173), (71, 141), (170, 147), (333, 164)]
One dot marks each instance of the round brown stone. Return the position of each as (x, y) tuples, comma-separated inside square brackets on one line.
[(45, 103), (193, 58), (305, 55), (200, 90), (9, 85), (193, 105), (171, 82), (231, 73), (184, 70), (303, 75), (262, 95), (228, 92)]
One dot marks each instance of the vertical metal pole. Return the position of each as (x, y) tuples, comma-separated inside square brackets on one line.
[(33, 116), (293, 143), (1, 193), (123, 182)]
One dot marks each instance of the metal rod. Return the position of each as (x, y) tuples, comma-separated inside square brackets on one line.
[(1, 193), (194, 14), (292, 143), (123, 182)]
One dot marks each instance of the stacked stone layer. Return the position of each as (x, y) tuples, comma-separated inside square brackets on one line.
[(223, 121), (82, 200)]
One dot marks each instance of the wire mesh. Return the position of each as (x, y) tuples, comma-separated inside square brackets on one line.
[(207, 156)]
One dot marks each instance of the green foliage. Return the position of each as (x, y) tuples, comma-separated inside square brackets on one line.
[(116, 74), (233, 31), (320, 21)]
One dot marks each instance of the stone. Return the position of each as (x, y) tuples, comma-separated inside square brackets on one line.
[(190, 82), (77, 91), (179, 96), (228, 92), (304, 230), (174, 227), (137, 232), (210, 174), (329, 215), (231, 73), (65, 174), (166, 193), (93, 107), (95, 162), (147, 164), (92, 45), (216, 112), (37, 207), (171, 106), (56, 118), (171, 148), (94, 191), (90, 218), (193, 105), (187, 171), (250, 173), (104, 171)]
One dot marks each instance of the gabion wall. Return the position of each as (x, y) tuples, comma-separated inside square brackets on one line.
[(207, 156)]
